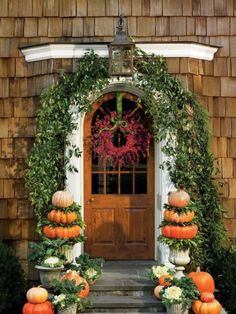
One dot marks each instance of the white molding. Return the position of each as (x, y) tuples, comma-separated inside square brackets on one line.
[(69, 50), (75, 184)]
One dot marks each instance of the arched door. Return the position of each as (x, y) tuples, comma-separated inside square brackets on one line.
[(118, 200)]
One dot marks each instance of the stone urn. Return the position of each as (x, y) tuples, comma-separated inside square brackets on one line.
[(48, 274), (68, 252), (177, 309), (70, 309), (179, 258)]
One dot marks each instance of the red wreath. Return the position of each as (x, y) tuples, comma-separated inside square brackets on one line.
[(136, 138)]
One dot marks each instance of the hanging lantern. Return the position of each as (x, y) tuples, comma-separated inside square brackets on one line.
[(121, 52)]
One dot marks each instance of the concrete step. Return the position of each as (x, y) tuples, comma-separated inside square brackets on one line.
[(123, 304), (131, 287)]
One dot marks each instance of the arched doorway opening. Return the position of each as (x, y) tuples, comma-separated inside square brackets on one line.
[(118, 200)]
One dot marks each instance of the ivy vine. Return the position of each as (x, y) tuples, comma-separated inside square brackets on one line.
[(179, 121)]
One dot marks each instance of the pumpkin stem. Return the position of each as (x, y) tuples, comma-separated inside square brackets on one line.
[(198, 269)]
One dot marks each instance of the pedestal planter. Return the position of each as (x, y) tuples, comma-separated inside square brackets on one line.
[(70, 309), (179, 258), (48, 274), (68, 252), (177, 309)]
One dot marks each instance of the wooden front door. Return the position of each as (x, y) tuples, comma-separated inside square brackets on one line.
[(118, 201)]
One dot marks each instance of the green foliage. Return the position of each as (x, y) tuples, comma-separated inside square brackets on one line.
[(61, 104), (66, 291), (180, 244), (189, 292), (39, 251), (90, 268), (12, 282), (224, 273), (180, 122)]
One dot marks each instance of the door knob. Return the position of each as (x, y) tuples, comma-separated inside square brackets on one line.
[(91, 199)]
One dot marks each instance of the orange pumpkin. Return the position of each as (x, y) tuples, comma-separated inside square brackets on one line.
[(203, 281), (171, 215), (157, 291), (178, 198), (62, 217), (164, 280), (61, 232), (179, 232), (62, 199), (200, 307), (49, 232), (207, 297), (73, 275), (37, 295), (40, 308)]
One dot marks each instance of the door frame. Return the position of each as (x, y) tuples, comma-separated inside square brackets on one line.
[(75, 180)]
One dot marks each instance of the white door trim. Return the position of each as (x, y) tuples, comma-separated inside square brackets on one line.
[(75, 184)]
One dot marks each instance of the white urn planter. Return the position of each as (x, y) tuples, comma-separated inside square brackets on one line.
[(179, 258), (48, 274), (68, 252), (177, 309)]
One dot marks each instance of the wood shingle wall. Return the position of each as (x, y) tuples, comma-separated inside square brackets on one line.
[(25, 22)]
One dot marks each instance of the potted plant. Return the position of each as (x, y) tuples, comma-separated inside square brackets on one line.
[(88, 267), (66, 297), (48, 261), (156, 271), (178, 297)]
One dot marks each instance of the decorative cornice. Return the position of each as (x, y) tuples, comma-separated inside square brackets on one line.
[(69, 50)]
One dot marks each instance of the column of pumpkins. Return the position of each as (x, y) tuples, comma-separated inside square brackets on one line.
[(63, 218), (178, 226), (178, 219), (62, 221)]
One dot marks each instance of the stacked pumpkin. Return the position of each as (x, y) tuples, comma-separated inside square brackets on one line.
[(37, 302), (206, 286), (63, 217), (177, 218)]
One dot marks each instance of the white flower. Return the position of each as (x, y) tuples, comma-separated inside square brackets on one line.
[(173, 293), (91, 272), (158, 271), (59, 298), (51, 261)]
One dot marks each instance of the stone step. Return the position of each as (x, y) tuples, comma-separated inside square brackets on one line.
[(126, 288), (123, 304)]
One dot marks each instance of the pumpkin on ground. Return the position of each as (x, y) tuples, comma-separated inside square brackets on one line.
[(200, 307), (171, 215), (40, 308), (207, 297), (179, 232), (62, 217), (164, 280), (178, 199), (157, 291), (37, 295), (73, 275), (203, 281), (62, 199)]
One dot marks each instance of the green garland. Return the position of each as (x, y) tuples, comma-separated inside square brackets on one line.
[(178, 120)]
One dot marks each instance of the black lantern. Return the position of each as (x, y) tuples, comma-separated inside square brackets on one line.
[(121, 52)]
